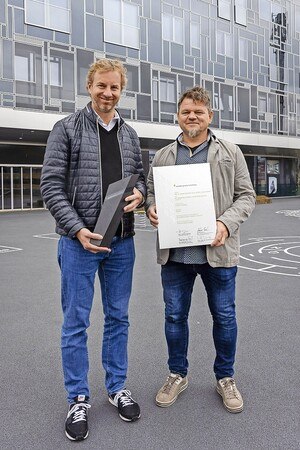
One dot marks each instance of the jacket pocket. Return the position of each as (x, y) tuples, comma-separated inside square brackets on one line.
[(226, 162)]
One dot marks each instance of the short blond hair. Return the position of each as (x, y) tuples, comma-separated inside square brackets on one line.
[(106, 65)]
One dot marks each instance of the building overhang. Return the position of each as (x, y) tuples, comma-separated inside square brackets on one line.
[(34, 127)]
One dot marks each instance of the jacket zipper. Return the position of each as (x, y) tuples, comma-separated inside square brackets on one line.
[(74, 195), (100, 179), (122, 171)]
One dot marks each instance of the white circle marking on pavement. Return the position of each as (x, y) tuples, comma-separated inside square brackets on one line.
[(269, 255)]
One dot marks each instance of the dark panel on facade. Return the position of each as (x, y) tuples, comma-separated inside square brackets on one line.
[(154, 42), (145, 78), (77, 21), (94, 32)]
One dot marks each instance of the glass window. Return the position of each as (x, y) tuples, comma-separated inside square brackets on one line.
[(24, 65), (17, 187), (27, 188), (65, 90), (243, 105), (240, 12), (224, 7), (262, 102), (224, 43), (243, 46), (178, 30), (272, 103), (167, 90), (53, 14), (84, 59), (6, 188), (55, 71), (121, 23), (298, 114), (228, 44), (220, 43), (265, 10), (226, 102), (195, 35), (167, 27), (155, 88), (132, 78), (297, 18), (172, 28), (184, 83), (37, 201)]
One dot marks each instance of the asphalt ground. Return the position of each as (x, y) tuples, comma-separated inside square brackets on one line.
[(267, 365)]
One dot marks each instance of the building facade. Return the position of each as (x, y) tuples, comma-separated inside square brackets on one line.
[(244, 52)]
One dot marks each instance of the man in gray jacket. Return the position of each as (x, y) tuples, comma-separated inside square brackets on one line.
[(216, 263), (87, 151)]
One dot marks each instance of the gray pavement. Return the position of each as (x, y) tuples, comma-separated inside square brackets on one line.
[(267, 366)]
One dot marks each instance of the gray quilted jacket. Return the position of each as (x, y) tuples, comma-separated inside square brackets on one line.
[(71, 182)]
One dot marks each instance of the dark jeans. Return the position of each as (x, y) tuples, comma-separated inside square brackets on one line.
[(178, 281)]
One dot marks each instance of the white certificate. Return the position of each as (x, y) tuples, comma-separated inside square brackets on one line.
[(184, 205)]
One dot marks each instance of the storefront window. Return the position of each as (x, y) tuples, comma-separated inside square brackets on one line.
[(261, 175)]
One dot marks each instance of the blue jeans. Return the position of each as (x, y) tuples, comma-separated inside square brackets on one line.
[(78, 270), (178, 281)]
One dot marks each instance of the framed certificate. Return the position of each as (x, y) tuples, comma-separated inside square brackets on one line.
[(185, 205)]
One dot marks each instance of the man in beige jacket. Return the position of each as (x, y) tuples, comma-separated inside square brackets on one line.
[(216, 263)]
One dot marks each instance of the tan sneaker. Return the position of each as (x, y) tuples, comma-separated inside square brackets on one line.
[(168, 394), (232, 399)]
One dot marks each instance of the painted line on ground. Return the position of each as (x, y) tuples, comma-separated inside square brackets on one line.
[(6, 249), (47, 236)]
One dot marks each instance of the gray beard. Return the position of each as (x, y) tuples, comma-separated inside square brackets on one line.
[(193, 133)]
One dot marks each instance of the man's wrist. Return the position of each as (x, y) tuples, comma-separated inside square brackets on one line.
[(142, 201)]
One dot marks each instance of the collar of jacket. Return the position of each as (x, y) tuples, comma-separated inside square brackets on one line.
[(213, 148), (91, 115)]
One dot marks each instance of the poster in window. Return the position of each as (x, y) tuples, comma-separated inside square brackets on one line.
[(272, 185)]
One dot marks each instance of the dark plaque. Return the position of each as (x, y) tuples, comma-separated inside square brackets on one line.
[(112, 209)]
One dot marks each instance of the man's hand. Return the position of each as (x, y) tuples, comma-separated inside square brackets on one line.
[(153, 217), (135, 199), (85, 235), (221, 235)]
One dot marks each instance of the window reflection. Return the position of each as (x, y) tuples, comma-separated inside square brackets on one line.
[(121, 23), (240, 12), (226, 102), (54, 14), (172, 28), (167, 90), (24, 66), (55, 70), (224, 7)]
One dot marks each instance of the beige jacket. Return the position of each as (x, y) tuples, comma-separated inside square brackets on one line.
[(233, 193)]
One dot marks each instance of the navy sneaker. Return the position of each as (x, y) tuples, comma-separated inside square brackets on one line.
[(76, 428), (128, 408)]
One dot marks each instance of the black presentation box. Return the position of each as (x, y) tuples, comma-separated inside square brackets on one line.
[(112, 209)]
